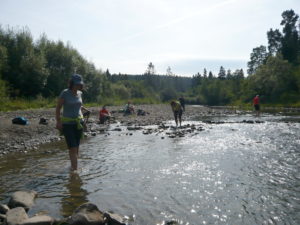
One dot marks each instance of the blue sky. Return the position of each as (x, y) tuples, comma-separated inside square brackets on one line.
[(125, 35)]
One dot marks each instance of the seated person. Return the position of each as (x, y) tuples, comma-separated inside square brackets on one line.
[(128, 109), (104, 115)]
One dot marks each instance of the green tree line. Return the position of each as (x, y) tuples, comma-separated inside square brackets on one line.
[(40, 69), (273, 72), (29, 68), (149, 85), (222, 89)]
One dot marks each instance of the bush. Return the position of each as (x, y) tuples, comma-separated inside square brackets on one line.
[(168, 94), (121, 91)]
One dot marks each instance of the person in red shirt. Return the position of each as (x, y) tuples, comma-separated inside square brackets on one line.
[(256, 105), (104, 115)]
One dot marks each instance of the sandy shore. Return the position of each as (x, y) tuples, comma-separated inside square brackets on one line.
[(20, 138)]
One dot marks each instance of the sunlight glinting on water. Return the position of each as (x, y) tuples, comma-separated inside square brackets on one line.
[(229, 173)]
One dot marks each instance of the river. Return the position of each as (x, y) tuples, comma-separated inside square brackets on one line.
[(231, 172)]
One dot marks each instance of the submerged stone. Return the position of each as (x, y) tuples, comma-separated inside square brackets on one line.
[(114, 219), (39, 220), (3, 209), (134, 128), (2, 217), (117, 129), (172, 223)]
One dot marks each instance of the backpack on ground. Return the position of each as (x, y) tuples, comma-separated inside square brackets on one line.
[(20, 120)]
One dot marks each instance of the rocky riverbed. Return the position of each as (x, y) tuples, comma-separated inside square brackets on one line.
[(210, 139), (15, 213), (24, 138)]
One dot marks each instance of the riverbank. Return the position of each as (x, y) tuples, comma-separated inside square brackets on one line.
[(24, 138), (15, 212)]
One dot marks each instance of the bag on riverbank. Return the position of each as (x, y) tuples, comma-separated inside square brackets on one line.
[(20, 120), (141, 112), (43, 121)]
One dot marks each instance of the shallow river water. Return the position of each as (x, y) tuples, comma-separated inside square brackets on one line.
[(229, 173)]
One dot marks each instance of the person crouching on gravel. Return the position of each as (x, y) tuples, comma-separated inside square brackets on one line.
[(128, 109), (104, 115), (177, 110), (71, 122)]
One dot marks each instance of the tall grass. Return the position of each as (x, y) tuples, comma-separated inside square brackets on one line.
[(249, 106), (9, 104), (117, 101)]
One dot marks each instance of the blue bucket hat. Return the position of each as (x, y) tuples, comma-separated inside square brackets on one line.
[(77, 79)]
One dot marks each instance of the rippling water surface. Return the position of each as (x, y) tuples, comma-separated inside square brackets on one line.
[(229, 173)]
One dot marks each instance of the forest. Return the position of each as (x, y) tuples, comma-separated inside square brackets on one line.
[(38, 70)]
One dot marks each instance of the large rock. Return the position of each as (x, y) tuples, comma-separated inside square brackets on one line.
[(134, 128), (23, 199), (2, 217), (114, 219), (16, 216), (3, 209), (87, 214), (39, 220)]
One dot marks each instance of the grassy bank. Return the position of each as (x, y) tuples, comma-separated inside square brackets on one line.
[(273, 106), (8, 104)]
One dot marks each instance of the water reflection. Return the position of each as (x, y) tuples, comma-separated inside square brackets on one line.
[(75, 195), (229, 173)]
